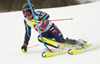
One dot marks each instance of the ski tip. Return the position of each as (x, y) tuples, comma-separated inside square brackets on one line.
[(70, 52), (43, 55)]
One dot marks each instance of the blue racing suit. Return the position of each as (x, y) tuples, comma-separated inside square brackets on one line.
[(48, 29)]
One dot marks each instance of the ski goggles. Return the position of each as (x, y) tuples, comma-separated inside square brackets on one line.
[(27, 14)]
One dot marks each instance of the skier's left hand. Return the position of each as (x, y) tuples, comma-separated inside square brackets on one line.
[(24, 48)]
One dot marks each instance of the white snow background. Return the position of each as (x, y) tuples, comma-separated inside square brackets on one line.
[(85, 25)]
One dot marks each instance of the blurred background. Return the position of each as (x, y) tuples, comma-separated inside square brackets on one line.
[(16, 5)]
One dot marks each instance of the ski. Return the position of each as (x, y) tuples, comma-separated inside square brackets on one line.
[(62, 51), (71, 51), (82, 50), (49, 54)]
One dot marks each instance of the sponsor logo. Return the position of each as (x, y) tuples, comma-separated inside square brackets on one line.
[(53, 31), (51, 28), (60, 34)]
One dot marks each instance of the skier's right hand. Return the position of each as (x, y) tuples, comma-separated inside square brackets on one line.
[(24, 48)]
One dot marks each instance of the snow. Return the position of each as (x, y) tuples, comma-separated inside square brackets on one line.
[(84, 1), (85, 25)]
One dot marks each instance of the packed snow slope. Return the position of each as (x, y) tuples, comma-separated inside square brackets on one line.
[(85, 25)]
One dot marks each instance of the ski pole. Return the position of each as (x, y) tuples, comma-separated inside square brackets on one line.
[(62, 19), (37, 25), (33, 46), (32, 22)]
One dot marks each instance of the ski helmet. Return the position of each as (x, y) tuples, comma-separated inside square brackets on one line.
[(26, 8)]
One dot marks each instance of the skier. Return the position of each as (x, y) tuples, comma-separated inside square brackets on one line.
[(48, 30)]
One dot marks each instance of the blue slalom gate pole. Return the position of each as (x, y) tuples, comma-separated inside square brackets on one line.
[(37, 25)]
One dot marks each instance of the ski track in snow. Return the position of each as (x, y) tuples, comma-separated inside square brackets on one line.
[(85, 25)]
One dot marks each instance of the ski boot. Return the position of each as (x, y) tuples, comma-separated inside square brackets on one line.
[(84, 43), (61, 46)]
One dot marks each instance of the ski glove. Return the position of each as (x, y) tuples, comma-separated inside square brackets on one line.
[(24, 48)]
